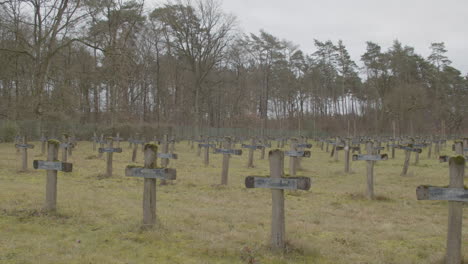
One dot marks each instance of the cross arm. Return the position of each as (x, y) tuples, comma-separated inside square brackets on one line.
[(425, 192)]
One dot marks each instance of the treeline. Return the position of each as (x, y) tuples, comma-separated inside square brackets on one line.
[(186, 64)]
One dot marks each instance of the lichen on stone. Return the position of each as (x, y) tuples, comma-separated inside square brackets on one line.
[(458, 160), (153, 147), (53, 142)]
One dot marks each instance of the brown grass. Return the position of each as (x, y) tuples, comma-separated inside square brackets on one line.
[(98, 218)]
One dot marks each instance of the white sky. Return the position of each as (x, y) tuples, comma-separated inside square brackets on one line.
[(416, 23)]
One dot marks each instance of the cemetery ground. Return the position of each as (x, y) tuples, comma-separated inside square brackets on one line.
[(98, 219)]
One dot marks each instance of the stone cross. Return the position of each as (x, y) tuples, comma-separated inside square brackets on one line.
[(166, 156), (150, 173), (371, 158), (252, 147), (110, 150), (277, 183), (24, 153), (206, 156), (227, 151), (408, 149), (457, 195), (294, 154), (52, 166)]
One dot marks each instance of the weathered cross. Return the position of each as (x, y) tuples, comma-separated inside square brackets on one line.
[(328, 141), (301, 145), (429, 148), (277, 183), (165, 156), (118, 139), (355, 146), (18, 140), (378, 148), (263, 147), (200, 141), (52, 166), (371, 158), (110, 150), (416, 155), (101, 142), (206, 156), (456, 194), (172, 143), (24, 153), (190, 142), (150, 173), (408, 149), (252, 147), (135, 143), (65, 146), (280, 142), (130, 140), (294, 154), (393, 146), (336, 145), (347, 149), (95, 140), (43, 141), (226, 151)]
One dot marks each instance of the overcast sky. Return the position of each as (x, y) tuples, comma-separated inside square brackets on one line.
[(416, 23)]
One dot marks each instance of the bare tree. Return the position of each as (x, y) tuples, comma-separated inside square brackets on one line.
[(42, 30), (200, 33)]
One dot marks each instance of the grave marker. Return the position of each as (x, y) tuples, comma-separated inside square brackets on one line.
[(95, 139), (408, 149), (206, 156), (24, 153), (336, 147), (135, 148), (377, 149), (200, 140), (458, 147), (347, 168), (252, 147), (71, 145), (393, 146), (416, 155), (17, 140), (118, 139), (227, 152), (52, 166), (277, 183), (43, 143), (456, 194), (371, 158), (437, 148), (172, 144), (101, 145), (110, 151), (130, 144), (301, 146), (263, 147), (191, 143), (64, 147), (304, 145), (429, 149), (150, 173), (165, 156), (294, 154)]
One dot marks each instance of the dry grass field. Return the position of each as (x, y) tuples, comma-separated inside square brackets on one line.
[(98, 219)]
